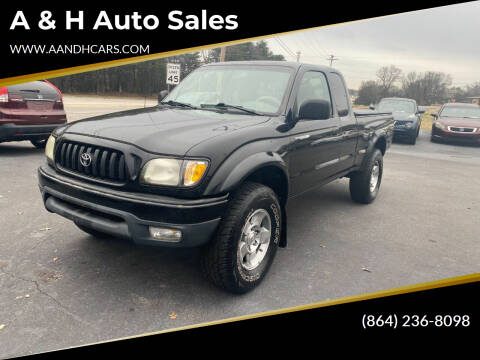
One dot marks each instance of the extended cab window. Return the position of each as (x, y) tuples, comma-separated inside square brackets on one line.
[(340, 94), (314, 86)]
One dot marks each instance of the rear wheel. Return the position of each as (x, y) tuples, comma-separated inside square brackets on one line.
[(364, 185), (246, 241), (39, 144)]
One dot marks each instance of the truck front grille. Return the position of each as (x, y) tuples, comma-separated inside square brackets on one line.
[(97, 162)]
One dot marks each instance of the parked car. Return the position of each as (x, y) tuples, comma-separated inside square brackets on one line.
[(407, 117), (457, 122), (215, 163), (30, 111)]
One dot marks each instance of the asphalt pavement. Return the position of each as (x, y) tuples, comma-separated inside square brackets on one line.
[(61, 287)]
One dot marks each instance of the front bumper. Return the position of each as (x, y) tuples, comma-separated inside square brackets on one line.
[(129, 215), (12, 132), (439, 134), (404, 132)]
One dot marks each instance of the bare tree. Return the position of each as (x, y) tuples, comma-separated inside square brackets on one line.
[(387, 77)]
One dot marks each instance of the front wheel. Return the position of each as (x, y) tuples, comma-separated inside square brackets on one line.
[(39, 144), (413, 139), (364, 185), (246, 241)]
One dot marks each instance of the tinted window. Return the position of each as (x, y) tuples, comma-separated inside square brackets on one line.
[(314, 86), (340, 95)]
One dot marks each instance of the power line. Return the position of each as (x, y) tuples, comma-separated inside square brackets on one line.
[(285, 47)]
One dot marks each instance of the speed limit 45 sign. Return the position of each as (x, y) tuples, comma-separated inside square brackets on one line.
[(173, 74)]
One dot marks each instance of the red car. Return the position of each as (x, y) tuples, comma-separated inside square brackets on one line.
[(457, 122), (30, 111)]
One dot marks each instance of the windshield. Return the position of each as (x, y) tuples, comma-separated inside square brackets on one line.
[(396, 106), (260, 89), (461, 112)]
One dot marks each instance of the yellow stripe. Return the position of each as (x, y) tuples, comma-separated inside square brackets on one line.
[(465, 279)]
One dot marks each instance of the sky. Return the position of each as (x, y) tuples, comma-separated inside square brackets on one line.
[(444, 39)]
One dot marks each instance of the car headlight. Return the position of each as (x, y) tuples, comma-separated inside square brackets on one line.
[(439, 125), (173, 172), (409, 125), (49, 148)]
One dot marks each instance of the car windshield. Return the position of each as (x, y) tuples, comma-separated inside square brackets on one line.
[(461, 112), (260, 89), (396, 106)]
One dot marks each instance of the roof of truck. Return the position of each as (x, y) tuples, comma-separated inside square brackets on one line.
[(289, 64)]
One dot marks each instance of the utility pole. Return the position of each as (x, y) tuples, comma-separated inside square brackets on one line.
[(332, 58), (298, 56), (223, 52)]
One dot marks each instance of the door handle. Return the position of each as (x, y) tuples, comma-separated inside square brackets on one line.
[(302, 137)]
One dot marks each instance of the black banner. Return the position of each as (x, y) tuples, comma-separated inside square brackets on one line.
[(42, 37), (450, 313)]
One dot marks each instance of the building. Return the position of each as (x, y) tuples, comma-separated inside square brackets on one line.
[(474, 99)]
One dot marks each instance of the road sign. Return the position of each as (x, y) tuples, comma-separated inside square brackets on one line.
[(173, 74)]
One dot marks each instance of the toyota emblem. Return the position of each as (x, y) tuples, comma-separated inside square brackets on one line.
[(86, 159)]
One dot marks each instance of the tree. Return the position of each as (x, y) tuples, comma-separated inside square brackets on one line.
[(428, 88), (387, 77), (368, 93), (148, 78)]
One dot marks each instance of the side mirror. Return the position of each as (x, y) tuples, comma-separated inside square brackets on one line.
[(434, 115), (162, 94), (315, 110), (371, 107), (421, 111)]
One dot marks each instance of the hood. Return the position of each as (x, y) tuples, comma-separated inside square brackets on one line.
[(403, 116), (460, 122), (163, 130)]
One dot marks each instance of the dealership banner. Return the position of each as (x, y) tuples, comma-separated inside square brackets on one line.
[(200, 158), (41, 37)]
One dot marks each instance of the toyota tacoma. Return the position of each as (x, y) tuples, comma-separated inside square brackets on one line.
[(215, 163)]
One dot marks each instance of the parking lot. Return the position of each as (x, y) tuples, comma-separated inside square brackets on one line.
[(61, 287)]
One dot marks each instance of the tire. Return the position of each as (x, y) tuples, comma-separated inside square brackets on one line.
[(224, 262), (39, 144), (93, 232), (418, 131), (413, 140), (360, 182)]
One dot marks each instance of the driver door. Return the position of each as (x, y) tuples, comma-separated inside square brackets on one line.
[(313, 143)]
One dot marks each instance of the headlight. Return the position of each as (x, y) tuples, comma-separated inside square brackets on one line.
[(49, 147), (173, 172), (161, 172), (439, 125), (409, 125)]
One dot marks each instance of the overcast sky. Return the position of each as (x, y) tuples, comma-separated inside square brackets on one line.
[(445, 39)]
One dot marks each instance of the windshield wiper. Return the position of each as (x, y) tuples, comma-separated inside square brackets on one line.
[(228, 106), (177, 103)]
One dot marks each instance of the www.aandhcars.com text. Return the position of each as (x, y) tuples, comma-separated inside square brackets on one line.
[(67, 49)]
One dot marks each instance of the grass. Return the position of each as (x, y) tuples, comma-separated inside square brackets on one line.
[(427, 119)]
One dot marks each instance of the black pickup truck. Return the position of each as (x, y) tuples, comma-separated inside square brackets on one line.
[(215, 163)]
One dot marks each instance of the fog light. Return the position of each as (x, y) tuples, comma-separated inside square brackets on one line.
[(163, 234)]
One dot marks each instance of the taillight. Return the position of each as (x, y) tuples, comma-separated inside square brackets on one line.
[(3, 94)]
